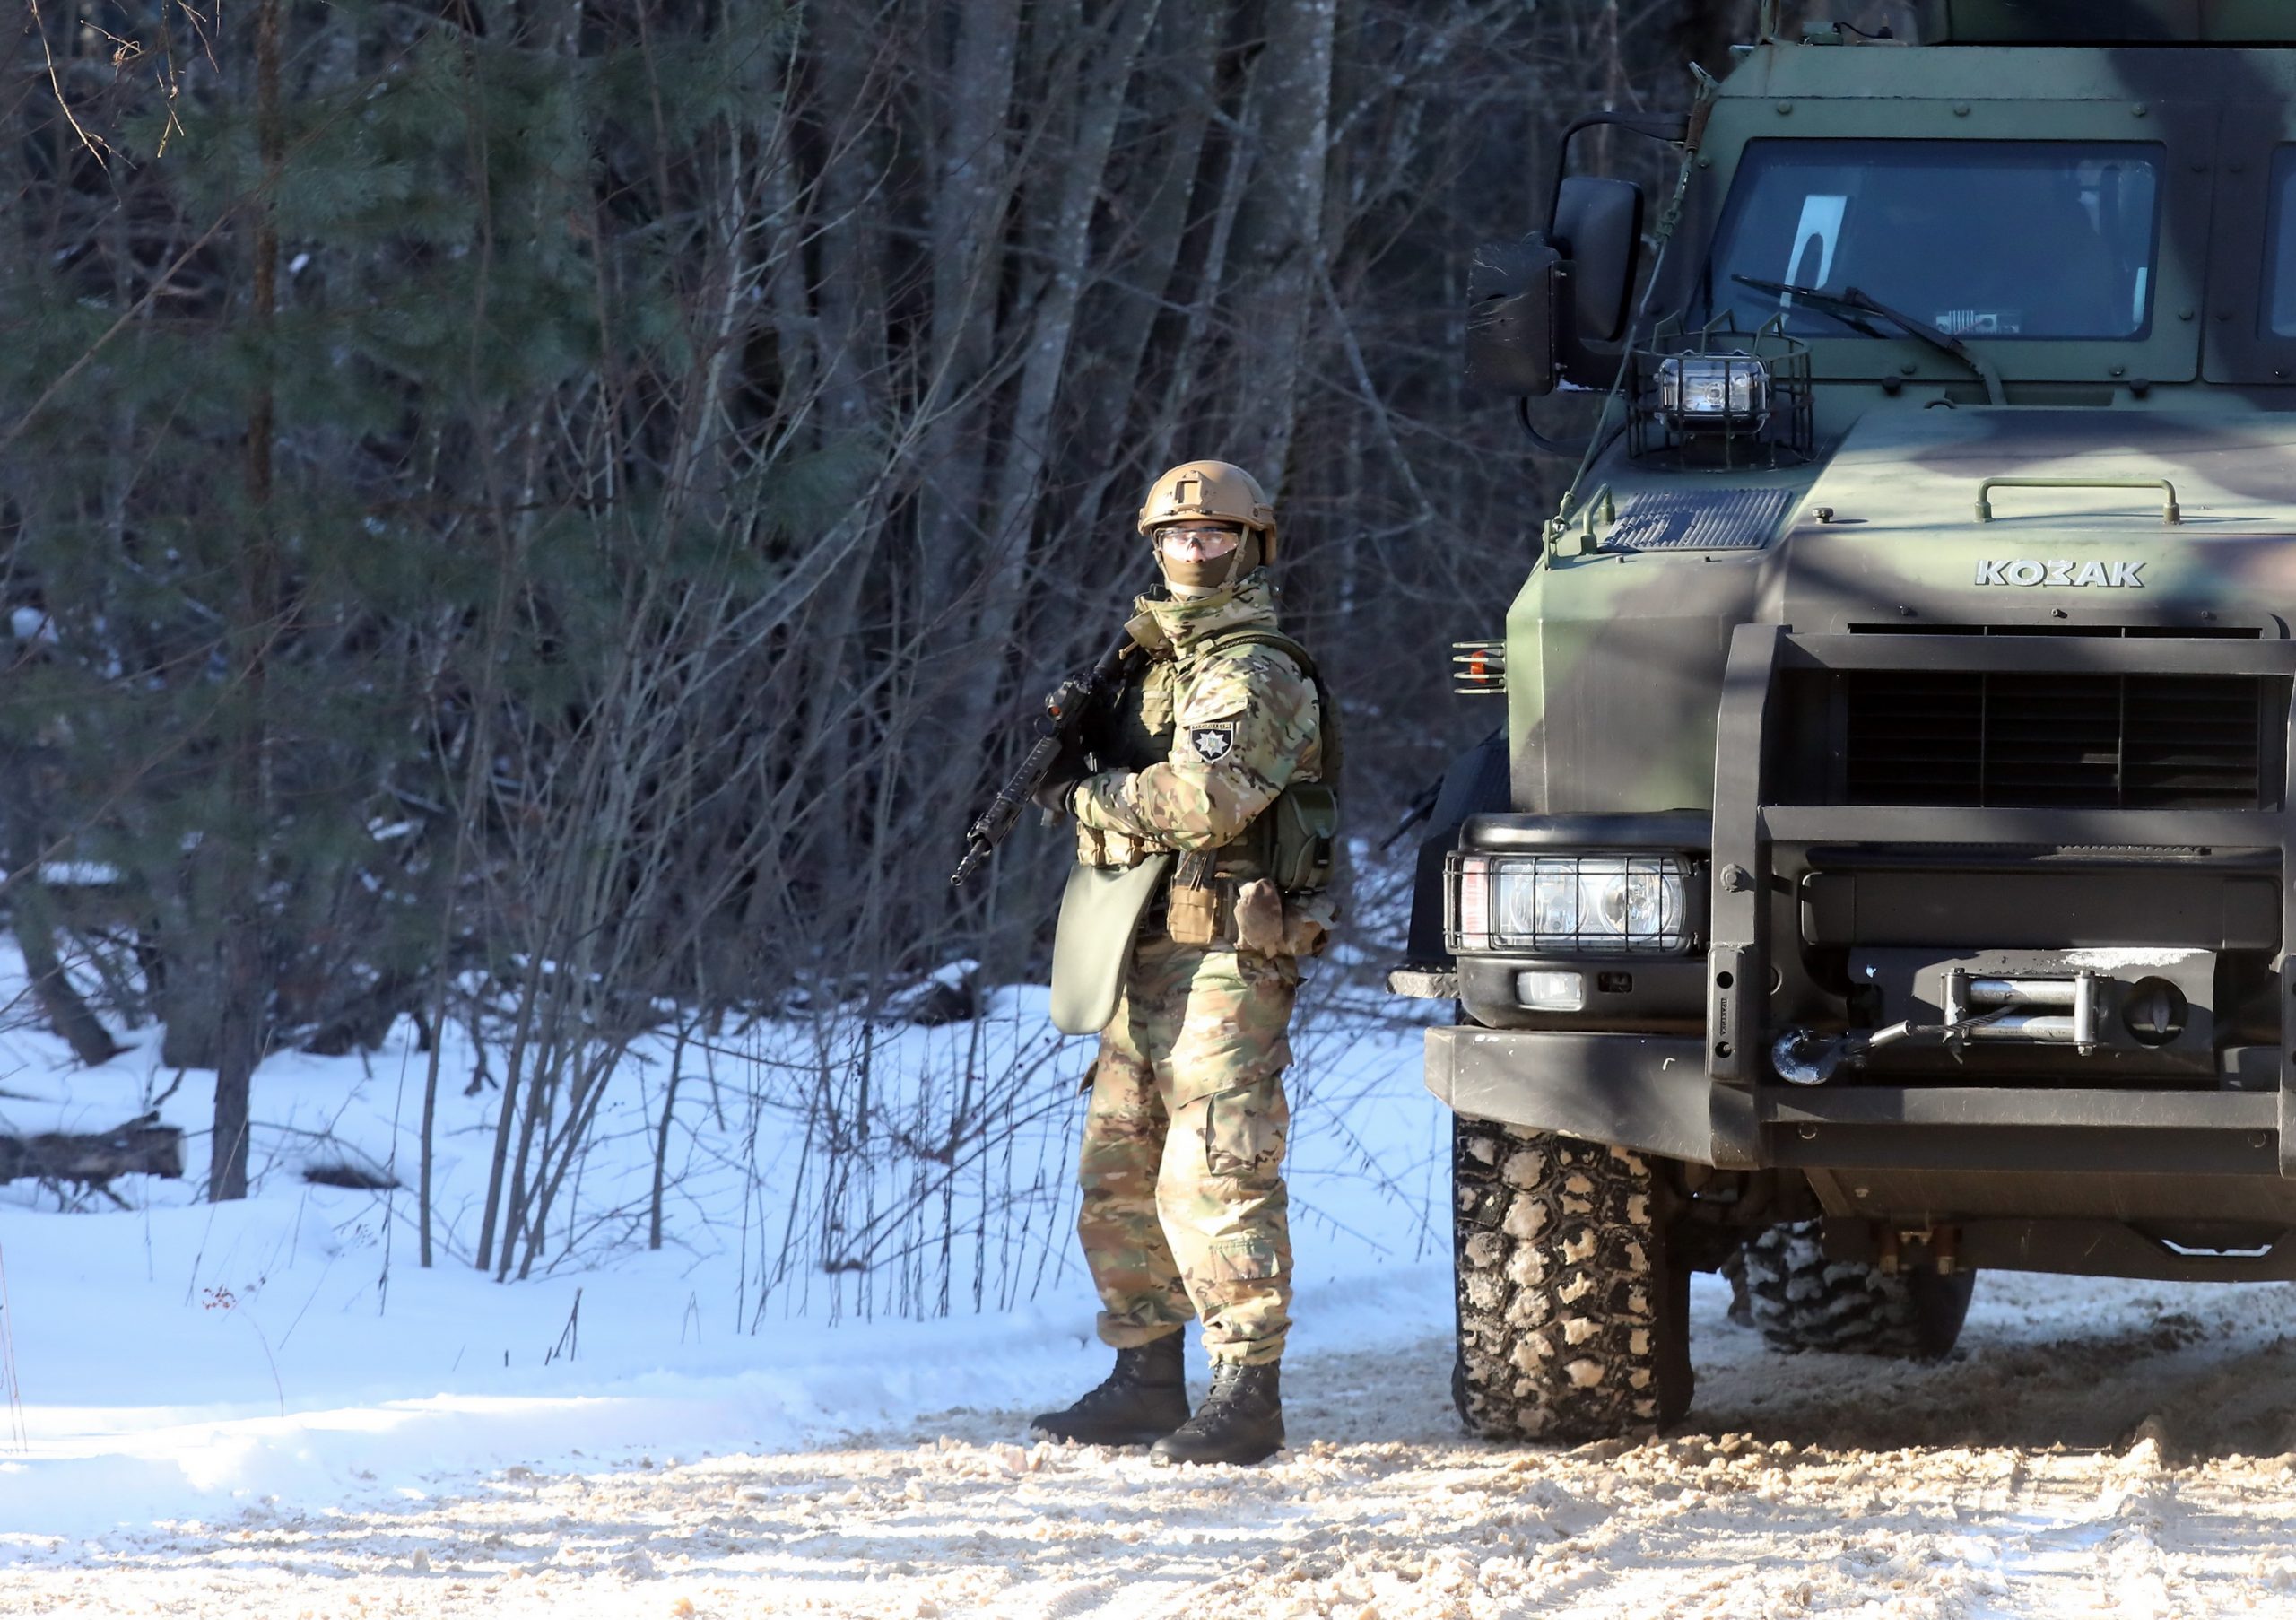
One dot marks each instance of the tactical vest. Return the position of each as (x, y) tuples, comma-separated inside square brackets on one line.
[(1295, 840)]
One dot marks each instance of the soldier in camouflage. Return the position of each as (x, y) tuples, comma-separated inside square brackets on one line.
[(1222, 757)]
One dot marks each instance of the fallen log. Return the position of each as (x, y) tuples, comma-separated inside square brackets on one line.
[(140, 1148)]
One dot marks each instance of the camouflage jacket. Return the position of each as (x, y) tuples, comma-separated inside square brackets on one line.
[(1243, 725)]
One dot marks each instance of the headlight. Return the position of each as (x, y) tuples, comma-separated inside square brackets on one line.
[(1713, 391), (1571, 905)]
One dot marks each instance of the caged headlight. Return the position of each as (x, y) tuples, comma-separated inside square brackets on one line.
[(1571, 905), (1713, 392)]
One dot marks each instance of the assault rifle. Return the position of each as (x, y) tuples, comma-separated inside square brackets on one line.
[(1064, 712)]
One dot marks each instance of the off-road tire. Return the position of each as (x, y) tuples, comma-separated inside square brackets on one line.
[(1573, 1324), (1799, 1299)]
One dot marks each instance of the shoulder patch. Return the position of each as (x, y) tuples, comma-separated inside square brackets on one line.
[(1212, 744)]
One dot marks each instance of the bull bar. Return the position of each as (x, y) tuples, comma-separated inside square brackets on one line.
[(1710, 1099)]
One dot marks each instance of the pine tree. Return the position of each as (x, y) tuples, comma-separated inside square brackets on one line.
[(375, 457)]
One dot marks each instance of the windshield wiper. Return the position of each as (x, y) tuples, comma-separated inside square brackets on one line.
[(1849, 302)]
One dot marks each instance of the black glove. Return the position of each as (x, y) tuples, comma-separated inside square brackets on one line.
[(1069, 767), (1052, 793)]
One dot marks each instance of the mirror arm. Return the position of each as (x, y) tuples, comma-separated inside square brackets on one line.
[(1570, 449), (1658, 127)]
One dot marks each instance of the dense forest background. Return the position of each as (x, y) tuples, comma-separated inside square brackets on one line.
[(558, 507)]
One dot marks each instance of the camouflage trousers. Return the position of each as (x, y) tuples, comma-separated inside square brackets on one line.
[(1184, 1211)]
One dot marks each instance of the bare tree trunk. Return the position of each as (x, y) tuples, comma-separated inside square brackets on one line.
[(1614, 91), (1066, 252), (969, 198), (67, 1014), (662, 1137), (246, 989), (1281, 235), (1210, 293), (31, 909), (1120, 413)]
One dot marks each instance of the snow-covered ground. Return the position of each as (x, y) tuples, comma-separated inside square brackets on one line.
[(270, 1408), (176, 1360)]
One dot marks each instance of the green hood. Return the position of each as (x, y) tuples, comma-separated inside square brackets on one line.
[(1906, 541), (1616, 653)]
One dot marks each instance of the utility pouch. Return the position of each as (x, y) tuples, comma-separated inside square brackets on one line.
[(1099, 913), (1302, 832), (1193, 916)]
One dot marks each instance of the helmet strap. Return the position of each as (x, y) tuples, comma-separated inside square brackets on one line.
[(1235, 570)]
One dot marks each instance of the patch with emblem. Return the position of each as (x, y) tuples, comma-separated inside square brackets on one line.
[(1212, 744)]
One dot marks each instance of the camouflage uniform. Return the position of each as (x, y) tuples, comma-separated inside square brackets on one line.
[(1184, 1210)]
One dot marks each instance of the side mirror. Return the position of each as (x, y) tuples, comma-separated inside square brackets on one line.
[(1513, 289), (1598, 227)]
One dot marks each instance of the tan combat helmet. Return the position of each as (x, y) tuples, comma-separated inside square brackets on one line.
[(1218, 492)]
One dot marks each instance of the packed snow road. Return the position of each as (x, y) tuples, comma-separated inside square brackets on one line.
[(2096, 1449)]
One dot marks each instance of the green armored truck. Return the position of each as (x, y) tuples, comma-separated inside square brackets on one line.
[(1887, 868)]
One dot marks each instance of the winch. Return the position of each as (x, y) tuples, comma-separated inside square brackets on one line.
[(2060, 1011), (2141, 1007)]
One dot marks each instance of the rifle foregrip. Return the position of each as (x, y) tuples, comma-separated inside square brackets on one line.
[(1032, 773), (1005, 810), (1064, 710)]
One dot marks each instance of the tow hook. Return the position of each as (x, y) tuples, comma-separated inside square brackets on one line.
[(1943, 1244), (1806, 1058)]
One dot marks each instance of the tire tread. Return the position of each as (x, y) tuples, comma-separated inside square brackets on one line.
[(1571, 1325), (1799, 1299)]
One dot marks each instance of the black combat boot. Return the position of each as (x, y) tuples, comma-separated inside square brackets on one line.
[(1240, 1421), (1145, 1398)]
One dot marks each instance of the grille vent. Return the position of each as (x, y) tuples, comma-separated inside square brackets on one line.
[(1725, 520), (2084, 742)]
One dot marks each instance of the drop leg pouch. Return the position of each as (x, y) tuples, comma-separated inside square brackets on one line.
[(1100, 912)]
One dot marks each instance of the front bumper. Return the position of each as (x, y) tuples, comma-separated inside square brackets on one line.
[(1649, 1093), (1790, 881), (1652, 1093)]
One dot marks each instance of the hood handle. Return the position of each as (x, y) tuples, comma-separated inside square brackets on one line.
[(2170, 512)]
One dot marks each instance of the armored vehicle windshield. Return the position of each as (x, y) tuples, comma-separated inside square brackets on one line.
[(1994, 238), (2280, 276)]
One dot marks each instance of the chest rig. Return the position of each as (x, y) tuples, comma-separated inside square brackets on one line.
[(1291, 843)]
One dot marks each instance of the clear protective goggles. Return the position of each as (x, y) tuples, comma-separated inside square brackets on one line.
[(1197, 541)]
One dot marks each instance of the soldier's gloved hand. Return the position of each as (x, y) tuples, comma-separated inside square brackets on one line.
[(1052, 793), (1070, 766)]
